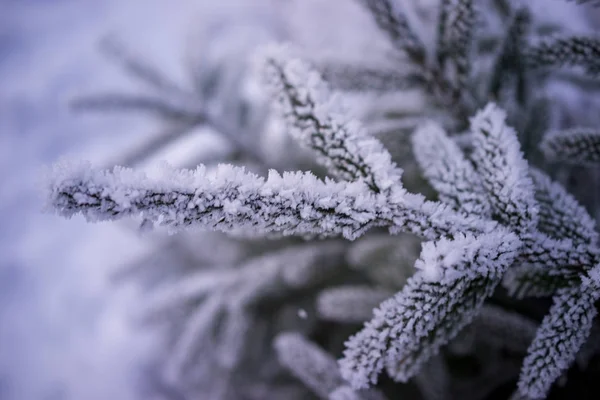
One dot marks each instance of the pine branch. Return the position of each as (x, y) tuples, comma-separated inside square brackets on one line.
[(561, 334), (509, 67), (320, 121), (225, 301), (572, 51), (442, 51), (267, 277), (396, 26), (503, 170), (127, 103), (562, 255), (456, 37), (447, 170), (580, 146), (537, 281), (229, 199), (593, 3), (137, 67), (363, 78), (463, 273), (560, 215)]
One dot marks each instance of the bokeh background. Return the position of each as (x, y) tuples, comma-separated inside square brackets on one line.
[(65, 331)]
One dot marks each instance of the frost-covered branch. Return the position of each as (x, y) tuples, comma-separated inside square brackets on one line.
[(229, 199), (537, 280), (395, 24), (560, 215), (455, 278), (503, 170), (366, 78), (448, 171), (456, 38), (562, 333), (320, 121), (509, 67), (579, 146), (573, 51)]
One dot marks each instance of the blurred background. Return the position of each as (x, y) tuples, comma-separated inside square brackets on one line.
[(66, 329)]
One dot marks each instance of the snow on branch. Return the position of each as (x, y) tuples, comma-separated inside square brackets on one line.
[(575, 51), (448, 171), (456, 37), (396, 26), (560, 215), (562, 255), (579, 146), (229, 199), (503, 170), (562, 333), (320, 121), (537, 280), (455, 278)]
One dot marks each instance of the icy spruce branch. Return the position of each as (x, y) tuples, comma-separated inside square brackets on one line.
[(395, 24), (455, 278), (448, 171), (137, 67), (503, 170), (537, 281), (319, 120), (559, 214), (562, 333), (399, 338), (580, 146), (509, 68), (576, 51), (456, 37), (369, 79), (229, 199)]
